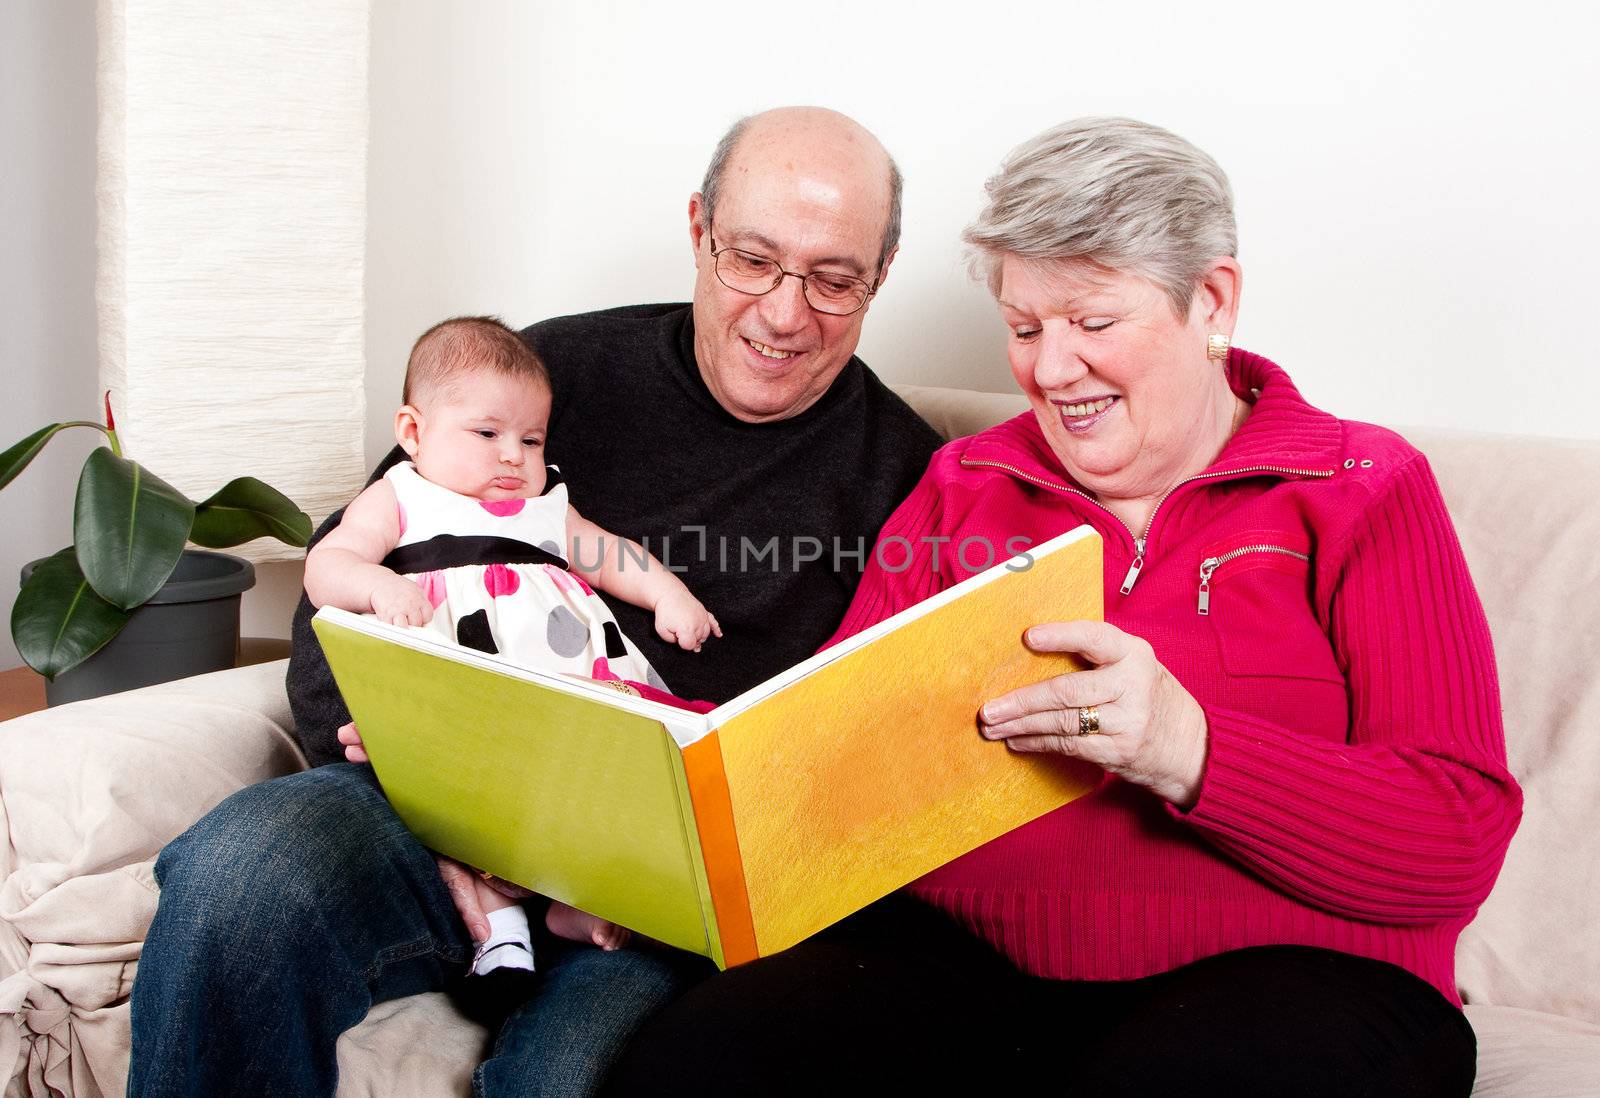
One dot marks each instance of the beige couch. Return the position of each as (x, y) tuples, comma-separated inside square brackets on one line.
[(90, 792)]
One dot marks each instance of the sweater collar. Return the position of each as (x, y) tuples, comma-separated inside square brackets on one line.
[(1283, 430), (678, 350), (1283, 433)]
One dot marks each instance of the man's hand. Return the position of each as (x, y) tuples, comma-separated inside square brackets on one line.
[(463, 883), (399, 601), (681, 619), (476, 894), (354, 750), (463, 886)]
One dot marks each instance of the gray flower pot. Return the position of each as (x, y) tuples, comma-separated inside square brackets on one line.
[(189, 627)]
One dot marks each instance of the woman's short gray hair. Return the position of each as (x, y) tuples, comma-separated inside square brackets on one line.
[(1121, 194)]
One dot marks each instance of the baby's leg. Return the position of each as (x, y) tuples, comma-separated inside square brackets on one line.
[(579, 926), (510, 944)]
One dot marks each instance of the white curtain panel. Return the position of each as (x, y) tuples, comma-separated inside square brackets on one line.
[(232, 239)]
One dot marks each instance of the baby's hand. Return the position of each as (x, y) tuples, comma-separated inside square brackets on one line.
[(681, 618), (398, 601)]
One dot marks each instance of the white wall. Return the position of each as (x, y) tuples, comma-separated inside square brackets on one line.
[(1416, 181), (48, 353), (47, 322), (1416, 186)]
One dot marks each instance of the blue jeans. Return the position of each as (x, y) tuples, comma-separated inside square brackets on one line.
[(296, 905)]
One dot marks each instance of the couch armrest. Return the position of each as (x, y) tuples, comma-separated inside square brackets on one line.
[(89, 794)]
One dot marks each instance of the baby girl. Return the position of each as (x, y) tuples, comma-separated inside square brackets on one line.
[(474, 538)]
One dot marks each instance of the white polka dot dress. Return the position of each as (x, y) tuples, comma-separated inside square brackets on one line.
[(496, 574)]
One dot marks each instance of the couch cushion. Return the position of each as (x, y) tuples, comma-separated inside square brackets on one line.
[(1533, 555), (89, 794), (416, 1047), (1527, 1054), (957, 412)]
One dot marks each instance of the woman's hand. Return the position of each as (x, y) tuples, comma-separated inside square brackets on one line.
[(1152, 731)]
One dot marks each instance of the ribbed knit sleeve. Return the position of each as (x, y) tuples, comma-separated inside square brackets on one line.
[(1409, 820)]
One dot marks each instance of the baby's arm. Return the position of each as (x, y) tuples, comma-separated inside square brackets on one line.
[(625, 570), (343, 569)]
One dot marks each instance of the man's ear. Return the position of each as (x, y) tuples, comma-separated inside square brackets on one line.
[(697, 224), (1216, 300), (408, 429), (883, 272)]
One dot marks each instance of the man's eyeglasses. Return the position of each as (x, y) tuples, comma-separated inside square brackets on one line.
[(826, 291)]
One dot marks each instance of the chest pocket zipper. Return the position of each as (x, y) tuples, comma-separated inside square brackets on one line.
[(1211, 564)]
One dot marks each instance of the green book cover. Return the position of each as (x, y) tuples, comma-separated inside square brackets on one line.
[(736, 833)]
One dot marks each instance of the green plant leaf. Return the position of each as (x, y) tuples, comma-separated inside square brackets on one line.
[(16, 459), (245, 509), (128, 528), (58, 621)]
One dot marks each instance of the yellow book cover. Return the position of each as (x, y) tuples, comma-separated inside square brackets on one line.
[(739, 832)]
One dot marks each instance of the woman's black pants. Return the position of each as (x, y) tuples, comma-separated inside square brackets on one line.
[(899, 999)]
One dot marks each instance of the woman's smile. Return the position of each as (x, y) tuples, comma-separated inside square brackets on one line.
[(1079, 416)]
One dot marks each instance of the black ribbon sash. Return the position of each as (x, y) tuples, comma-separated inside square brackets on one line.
[(452, 551)]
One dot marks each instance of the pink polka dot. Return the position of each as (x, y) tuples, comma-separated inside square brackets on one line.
[(400, 517), (503, 508), (432, 584), (499, 580), (567, 581)]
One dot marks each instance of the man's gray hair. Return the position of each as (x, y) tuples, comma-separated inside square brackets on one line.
[(1121, 194), (711, 186)]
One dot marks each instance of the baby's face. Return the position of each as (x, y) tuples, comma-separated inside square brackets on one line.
[(483, 436)]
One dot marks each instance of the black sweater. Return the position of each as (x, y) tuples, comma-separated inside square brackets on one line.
[(646, 451)]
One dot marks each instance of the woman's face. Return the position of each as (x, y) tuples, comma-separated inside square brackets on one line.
[(1122, 386)]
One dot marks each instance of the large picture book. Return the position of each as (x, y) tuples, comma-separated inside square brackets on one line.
[(739, 832)]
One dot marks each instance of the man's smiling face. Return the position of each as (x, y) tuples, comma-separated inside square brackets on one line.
[(810, 191)]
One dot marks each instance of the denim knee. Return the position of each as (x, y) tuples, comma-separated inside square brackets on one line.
[(281, 846), (587, 1006), (285, 913)]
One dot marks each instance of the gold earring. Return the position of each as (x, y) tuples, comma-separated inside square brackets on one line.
[(1217, 346)]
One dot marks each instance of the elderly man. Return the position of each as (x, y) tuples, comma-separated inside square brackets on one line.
[(741, 440)]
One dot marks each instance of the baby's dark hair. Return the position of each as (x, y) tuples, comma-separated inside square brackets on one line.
[(464, 343)]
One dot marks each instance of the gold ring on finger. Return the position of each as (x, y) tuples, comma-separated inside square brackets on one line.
[(1088, 721)]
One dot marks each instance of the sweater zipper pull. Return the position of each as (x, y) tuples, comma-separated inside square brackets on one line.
[(1207, 566), (1133, 569)]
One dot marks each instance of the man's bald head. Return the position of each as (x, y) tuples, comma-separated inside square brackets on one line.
[(817, 131)]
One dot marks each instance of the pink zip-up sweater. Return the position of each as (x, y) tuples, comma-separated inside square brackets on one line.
[(1355, 793)]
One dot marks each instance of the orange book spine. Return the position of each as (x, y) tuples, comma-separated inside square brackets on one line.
[(719, 847)]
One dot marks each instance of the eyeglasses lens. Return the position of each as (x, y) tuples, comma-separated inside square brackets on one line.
[(839, 295)]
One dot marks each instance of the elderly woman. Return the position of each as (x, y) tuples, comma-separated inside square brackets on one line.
[(1293, 699)]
